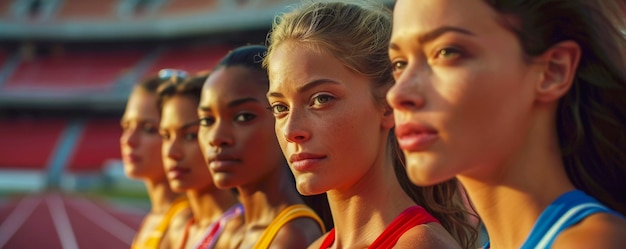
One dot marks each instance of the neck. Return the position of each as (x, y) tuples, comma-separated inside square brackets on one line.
[(161, 196), (363, 211), (264, 200), (208, 205), (517, 190)]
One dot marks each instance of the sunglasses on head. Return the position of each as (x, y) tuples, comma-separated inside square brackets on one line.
[(174, 75)]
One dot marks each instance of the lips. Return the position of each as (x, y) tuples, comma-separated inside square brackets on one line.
[(305, 161), (415, 137), (222, 162), (177, 172)]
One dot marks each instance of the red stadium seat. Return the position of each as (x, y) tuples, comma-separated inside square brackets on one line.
[(191, 59), (98, 143), (187, 7), (82, 10), (74, 71), (29, 143)]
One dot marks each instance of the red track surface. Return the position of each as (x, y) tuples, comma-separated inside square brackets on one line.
[(68, 222)]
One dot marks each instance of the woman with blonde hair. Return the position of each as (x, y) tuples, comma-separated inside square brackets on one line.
[(329, 72)]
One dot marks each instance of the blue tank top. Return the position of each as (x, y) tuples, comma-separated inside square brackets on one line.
[(566, 211)]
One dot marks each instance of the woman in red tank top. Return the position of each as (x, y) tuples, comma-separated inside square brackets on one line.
[(329, 72)]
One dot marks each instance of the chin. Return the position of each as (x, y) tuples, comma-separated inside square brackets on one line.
[(307, 187), (425, 173), (225, 182)]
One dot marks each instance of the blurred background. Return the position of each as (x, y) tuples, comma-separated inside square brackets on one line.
[(66, 69)]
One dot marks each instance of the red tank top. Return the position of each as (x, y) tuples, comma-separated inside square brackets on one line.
[(409, 218)]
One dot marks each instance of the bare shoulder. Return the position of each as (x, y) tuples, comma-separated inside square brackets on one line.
[(430, 235), (298, 233), (596, 231)]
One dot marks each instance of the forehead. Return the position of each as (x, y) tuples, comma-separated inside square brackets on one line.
[(294, 63), (179, 109), (141, 105), (410, 16), (228, 83)]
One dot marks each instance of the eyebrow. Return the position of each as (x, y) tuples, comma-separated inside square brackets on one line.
[(184, 126), (140, 121), (231, 104), (305, 87), (434, 34)]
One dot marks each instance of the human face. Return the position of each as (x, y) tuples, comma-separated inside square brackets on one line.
[(463, 89), (236, 133), (327, 122), (182, 156), (140, 142)]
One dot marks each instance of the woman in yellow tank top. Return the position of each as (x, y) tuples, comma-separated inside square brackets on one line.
[(141, 149), (238, 141)]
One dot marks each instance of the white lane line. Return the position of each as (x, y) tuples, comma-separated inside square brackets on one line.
[(108, 222), (16, 218), (62, 222)]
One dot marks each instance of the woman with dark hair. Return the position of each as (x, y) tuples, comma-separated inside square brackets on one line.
[(524, 103), (214, 211), (238, 141)]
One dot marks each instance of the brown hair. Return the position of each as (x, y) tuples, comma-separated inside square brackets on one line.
[(358, 35), (591, 117), (191, 87)]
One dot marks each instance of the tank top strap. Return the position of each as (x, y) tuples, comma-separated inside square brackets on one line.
[(288, 214), (155, 236), (566, 211), (216, 228), (329, 240), (409, 218)]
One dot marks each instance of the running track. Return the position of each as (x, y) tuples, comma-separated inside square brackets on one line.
[(56, 220)]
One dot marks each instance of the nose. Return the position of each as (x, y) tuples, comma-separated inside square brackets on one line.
[(130, 137), (220, 135), (405, 94), (172, 149), (294, 128)]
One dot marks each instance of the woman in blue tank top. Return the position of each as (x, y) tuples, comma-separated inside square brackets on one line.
[(524, 102)]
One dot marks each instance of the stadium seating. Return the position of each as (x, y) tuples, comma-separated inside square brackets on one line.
[(186, 7), (73, 71), (81, 10), (98, 143), (191, 59), (28, 143)]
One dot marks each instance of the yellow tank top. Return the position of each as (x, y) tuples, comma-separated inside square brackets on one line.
[(290, 213), (154, 238)]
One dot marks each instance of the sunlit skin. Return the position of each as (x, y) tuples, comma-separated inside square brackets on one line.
[(335, 135), (182, 157), (469, 104), (187, 171), (140, 140), (238, 142), (141, 149)]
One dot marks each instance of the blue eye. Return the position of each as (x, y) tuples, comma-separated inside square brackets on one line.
[(279, 108), (321, 99)]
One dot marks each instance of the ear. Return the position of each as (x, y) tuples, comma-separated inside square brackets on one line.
[(557, 74), (388, 120)]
